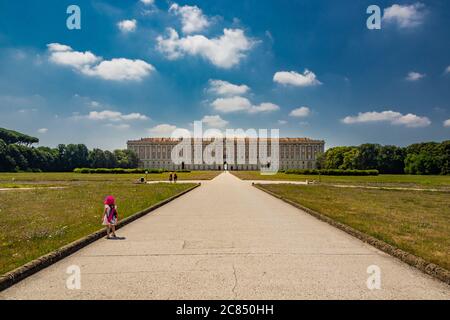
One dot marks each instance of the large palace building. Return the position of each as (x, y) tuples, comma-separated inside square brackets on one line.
[(294, 153)]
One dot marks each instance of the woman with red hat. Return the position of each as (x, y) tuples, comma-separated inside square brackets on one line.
[(110, 216)]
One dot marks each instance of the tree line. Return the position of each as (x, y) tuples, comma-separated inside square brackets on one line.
[(420, 158), (18, 154)]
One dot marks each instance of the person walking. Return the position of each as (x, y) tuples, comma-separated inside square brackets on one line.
[(110, 216), (170, 177), (175, 178)]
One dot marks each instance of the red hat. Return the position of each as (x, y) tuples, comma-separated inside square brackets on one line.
[(109, 200)]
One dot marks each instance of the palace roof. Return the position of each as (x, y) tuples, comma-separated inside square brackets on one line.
[(172, 140)]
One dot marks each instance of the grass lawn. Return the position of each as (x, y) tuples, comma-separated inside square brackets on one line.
[(36, 222), (383, 180), (8, 179), (15, 185), (415, 221)]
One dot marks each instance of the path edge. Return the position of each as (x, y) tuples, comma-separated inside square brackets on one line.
[(427, 267), (20, 273)]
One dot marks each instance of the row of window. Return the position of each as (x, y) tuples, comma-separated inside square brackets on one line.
[(302, 153), (170, 166)]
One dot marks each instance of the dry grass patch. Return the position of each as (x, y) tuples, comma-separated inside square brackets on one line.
[(39, 221), (67, 177), (415, 221), (383, 180)]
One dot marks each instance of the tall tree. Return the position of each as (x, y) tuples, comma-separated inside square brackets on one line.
[(10, 137), (368, 156), (445, 154), (7, 163), (335, 157), (391, 159), (133, 159), (350, 159), (421, 163), (110, 159), (97, 159)]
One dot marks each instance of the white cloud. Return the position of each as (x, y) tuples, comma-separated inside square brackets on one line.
[(264, 107), (162, 130), (118, 69), (64, 55), (86, 101), (58, 47), (149, 7), (405, 16), (115, 116), (27, 110), (447, 70), (447, 123), (192, 18), (225, 88), (412, 121), (308, 78), (127, 25), (233, 104), (94, 104), (414, 76), (282, 122), (42, 130), (214, 121), (168, 130), (236, 104), (372, 117), (300, 112), (396, 118), (225, 51)]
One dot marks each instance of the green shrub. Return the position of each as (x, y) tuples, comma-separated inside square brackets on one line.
[(124, 171), (334, 172)]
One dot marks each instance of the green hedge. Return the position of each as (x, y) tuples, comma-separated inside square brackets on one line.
[(334, 172), (123, 171)]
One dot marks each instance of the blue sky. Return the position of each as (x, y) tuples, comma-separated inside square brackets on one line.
[(142, 68)]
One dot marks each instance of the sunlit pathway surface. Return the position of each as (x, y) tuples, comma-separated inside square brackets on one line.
[(229, 240)]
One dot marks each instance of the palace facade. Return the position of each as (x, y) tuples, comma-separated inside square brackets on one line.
[(237, 154)]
